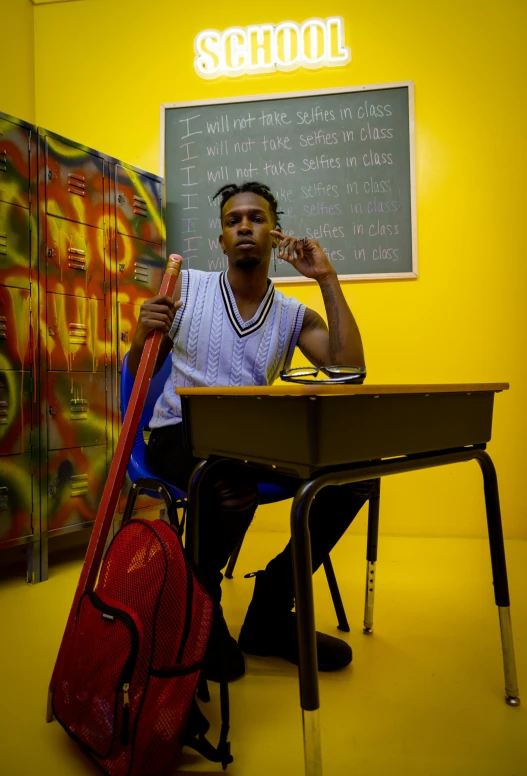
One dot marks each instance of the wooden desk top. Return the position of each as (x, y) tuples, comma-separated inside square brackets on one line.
[(292, 389)]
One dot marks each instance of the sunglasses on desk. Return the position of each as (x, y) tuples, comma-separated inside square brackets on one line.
[(329, 375)]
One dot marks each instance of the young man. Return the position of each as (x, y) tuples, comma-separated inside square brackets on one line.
[(234, 328)]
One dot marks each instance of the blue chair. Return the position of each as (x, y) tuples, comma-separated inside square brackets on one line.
[(143, 480)]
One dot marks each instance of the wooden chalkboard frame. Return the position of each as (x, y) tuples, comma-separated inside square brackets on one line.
[(321, 92)]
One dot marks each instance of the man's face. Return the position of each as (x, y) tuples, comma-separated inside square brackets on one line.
[(247, 220)]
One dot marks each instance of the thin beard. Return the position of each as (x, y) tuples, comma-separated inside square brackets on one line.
[(247, 263)]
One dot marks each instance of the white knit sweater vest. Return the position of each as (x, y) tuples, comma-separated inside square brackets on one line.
[(214, 346)]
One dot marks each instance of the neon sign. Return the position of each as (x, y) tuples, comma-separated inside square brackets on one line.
[(264, 48)]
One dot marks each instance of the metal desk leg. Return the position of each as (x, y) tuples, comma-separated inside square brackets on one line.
[(499, 574), (371, 556), (305, 616)]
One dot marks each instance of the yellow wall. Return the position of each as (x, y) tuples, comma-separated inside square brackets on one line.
[(17, 93), (103, 67)]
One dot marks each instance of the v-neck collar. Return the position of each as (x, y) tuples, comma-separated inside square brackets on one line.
[(241, 327)]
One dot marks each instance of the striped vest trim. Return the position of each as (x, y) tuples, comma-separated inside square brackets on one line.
[(241, 327)]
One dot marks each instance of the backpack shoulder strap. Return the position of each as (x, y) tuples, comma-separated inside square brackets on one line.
[(198, 724), (195, 738)]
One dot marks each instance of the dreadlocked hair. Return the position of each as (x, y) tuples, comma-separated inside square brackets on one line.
[(230, 189)]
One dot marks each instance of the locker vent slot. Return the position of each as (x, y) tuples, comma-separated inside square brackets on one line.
[(77, 259), (78, 409), (3, 160), (4, 412), (140, 272), (3, 327), (140, 206), (3, 243), (78, 334), (78, 485), (4, 499), (76, 184)]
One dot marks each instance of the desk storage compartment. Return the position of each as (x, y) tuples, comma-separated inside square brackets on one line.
[(299, 434)]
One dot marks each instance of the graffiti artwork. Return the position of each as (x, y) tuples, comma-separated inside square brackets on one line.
[(81, 248)]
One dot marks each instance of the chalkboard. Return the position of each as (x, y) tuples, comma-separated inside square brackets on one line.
[(340, 164)]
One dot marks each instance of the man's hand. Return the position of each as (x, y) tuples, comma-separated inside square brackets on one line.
[(306, 255), (156, 315)]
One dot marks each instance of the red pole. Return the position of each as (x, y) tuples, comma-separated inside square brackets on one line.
[(115, 478)]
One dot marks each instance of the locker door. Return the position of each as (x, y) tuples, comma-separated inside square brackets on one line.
[(76, 409), (74, 183), (128, 315), (15, 246), (15, 412), (15, 340), (74, 258), (139, 209), (76, 480), (140, 267), (14, 163), (76, 333), (15, 497)]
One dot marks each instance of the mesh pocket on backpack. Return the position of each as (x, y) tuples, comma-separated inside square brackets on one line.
[(89, 700)]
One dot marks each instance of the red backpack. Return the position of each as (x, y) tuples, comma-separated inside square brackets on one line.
[(127, 692)]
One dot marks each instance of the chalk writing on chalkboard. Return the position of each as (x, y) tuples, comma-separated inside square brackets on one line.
[(339, 163)]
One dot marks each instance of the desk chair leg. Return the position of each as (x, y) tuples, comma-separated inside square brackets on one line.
[(305, 616), (499, 574), (335, 596), (232, 560), (371, 556)]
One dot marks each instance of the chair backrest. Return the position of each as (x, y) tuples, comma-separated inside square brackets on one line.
[(154, 392), (137, 467)]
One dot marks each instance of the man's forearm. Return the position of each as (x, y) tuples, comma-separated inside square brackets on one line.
[(136, 351), (345, 344)]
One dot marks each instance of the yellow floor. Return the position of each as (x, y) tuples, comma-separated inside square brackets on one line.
[(424, 696)]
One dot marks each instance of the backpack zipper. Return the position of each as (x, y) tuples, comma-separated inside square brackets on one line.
[(128, 668)]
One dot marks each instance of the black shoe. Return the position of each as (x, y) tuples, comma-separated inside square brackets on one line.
[(234, 660), (269, 631)]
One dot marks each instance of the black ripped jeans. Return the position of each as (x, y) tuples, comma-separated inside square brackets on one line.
[(230, 499)]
